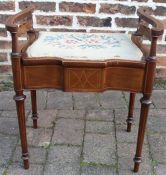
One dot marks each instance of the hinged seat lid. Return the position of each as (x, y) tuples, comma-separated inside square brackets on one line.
[(84, 46)]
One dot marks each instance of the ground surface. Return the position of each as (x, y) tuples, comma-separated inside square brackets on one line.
[(82, 134)]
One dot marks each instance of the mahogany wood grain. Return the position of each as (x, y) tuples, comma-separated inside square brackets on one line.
[(19, 98), (146, 100), (84, 76), (83, 79), (37, 77), (123, 78)]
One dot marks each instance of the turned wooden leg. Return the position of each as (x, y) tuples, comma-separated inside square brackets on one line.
[(145, 103), (19, 98), (34, 108), (130, 113)]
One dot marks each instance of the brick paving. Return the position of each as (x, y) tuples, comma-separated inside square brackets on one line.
[(82, 134)]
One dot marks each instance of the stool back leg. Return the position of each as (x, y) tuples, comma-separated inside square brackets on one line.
[(130, 112), (34, 108)]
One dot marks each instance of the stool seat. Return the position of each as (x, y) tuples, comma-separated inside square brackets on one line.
[(84, 46)]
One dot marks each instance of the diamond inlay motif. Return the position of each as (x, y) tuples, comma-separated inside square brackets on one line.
[(83, 79)]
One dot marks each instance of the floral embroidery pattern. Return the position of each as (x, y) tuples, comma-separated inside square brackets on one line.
[(83, 41), (84, 46)]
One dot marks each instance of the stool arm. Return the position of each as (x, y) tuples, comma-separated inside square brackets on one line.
[(20, 22), (157, 29), (152, 33)]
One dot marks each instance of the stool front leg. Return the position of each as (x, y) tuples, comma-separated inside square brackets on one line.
[(19, 99), (34, 108), (145, 103), (130, 112)]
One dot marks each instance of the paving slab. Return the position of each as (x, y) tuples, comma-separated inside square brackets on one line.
[(85, 101), (40, 137), (99, 148), (112, 100), (46, 118), (9, 104), (17, 169), (36, 155), (157, 143), (159, 97), (62, 169), (101, 115), (157, 124), (127, 137), (12, 114), (63, 160), (9, 126), (7, 146), (98, 170), (126, 154), (99, 145), (157, 112), (157, 120), (160, 169), (64, 154), (68, 131), (100, 127), (73, 114), (59, 100)]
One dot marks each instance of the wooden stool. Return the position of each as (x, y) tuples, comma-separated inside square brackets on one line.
[(83, 62)]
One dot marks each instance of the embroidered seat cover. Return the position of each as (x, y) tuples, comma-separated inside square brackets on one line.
[(84, 46)]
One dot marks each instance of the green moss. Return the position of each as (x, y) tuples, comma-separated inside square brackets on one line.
[(151, 132), (153, 164), (8, 164), (160, 83), (83, 164), (5, 172), (6, 85), (63, 144), (117, 167)]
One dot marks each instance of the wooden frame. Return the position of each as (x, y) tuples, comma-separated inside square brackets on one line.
[(29, 73)]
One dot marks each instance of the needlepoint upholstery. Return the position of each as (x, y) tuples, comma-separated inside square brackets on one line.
[(84, 46)]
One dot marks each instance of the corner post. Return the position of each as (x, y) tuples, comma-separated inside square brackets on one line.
[(19, 97), (150, 69)]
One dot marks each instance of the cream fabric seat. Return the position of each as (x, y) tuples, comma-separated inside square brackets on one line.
[(84, 46)]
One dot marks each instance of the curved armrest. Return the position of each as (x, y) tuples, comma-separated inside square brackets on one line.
[(158, 27), (151, 33), (18, 22)]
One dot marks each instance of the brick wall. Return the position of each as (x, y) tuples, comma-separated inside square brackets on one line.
[(84, 15)]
